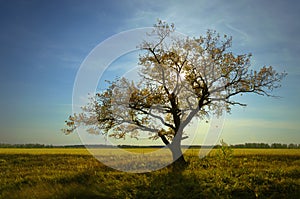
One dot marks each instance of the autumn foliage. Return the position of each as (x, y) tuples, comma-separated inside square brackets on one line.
[(181, 79)]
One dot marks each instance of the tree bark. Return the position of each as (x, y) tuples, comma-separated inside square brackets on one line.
[(178, 159)]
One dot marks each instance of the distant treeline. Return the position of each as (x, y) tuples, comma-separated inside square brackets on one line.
[(246, 145), (267, 146), (2, 145)]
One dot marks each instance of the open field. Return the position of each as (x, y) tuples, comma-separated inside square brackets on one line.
[(74, 173)]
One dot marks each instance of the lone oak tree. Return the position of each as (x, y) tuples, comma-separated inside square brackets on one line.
[(180, 79)]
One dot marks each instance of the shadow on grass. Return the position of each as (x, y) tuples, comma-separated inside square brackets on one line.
[(162, 184), (67, 176)]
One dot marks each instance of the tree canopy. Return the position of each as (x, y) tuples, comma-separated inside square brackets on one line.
[(180, 79)]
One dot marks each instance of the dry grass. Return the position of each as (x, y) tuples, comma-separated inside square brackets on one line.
[(74, 173)]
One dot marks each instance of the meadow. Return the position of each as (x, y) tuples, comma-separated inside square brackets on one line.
[(224, 173)]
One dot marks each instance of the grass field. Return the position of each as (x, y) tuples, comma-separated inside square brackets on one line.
[(74, 173)]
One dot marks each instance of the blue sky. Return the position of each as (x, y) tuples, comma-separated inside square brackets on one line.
[(43, 43)]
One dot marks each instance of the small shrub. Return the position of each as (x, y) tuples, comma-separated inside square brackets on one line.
[(224, 154)]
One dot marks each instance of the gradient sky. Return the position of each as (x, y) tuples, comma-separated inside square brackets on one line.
[(43, 43)]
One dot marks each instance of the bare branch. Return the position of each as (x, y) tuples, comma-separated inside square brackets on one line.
[(179, 80)]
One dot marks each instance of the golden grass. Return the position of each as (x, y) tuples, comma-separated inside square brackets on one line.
[(41, 151), (109, 151), (75, 173)]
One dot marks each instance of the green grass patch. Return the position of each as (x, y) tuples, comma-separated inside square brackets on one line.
[(74, 173)]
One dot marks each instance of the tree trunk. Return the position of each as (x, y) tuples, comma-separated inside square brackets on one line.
[(178, 158), (175, 147)]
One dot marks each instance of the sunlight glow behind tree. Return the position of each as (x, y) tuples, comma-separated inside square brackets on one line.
[(180, 79)]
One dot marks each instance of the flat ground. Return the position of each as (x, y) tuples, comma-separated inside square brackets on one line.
[(75, 173)]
